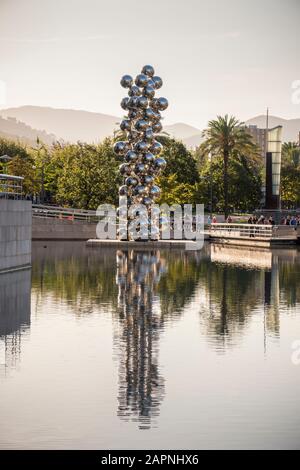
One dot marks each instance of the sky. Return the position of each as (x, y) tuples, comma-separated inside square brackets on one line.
[(215, 57)]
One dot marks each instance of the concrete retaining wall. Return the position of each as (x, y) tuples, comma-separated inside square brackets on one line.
[(15, 234), (54, 229)]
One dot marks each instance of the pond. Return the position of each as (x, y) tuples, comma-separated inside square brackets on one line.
[(153, 349)]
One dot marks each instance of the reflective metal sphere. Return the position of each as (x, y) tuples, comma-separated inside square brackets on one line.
[(162, 103), (131, 156), (134, 91), (155, 191), (134, 113), (141, 80), (149, 113), (125, 169), (141, 124), (147, 201), (148, 135), (133, 102), (148, 70), (139, 169), (149, 92), (160, 163), (148, 157), (156, 116), (131, 181), (153, 104), (156, 148), (121, 147), (141, 146), (126, 81), (142, 102), (139, 189), (157, 127), (150, 82), (124, 103), (125, 125), (148, 179), (157, 82)]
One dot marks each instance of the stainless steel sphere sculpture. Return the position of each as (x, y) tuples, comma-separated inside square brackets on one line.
[(141, 151)]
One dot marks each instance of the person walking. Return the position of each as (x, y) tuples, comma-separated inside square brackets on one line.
[(293, 221), (271, 221), (250, 221)]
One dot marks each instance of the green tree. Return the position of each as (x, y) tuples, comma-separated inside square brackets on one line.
[(243, 173), (173, 192), (21, 164), (226, 137), (290, 175), (88, 176), (180, 161)]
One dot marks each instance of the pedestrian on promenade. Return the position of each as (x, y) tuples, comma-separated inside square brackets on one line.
[(271, 221), (250, 221), (293, 221), (261, 220)]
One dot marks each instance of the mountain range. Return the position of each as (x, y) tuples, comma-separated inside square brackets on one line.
[(25, 123)]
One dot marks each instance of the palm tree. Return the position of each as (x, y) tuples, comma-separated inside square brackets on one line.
[(290, 154), (226, 136)]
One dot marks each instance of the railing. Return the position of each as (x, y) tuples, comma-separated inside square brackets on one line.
[(11, 187), (62, 213), (252, 231)]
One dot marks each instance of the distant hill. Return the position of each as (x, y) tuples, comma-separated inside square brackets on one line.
[(181, 130), (72, 125), (68, 124), (190, 136), (291, 127), (11, 128)]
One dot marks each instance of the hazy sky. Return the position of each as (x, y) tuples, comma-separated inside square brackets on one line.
[(215, 56)]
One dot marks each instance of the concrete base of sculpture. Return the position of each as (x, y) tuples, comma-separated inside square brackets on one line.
[(144, 245)]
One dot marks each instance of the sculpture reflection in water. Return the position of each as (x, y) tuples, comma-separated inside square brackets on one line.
[(141, 387), (14, 317)]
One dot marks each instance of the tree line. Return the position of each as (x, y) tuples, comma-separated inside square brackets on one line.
[(225, 171)]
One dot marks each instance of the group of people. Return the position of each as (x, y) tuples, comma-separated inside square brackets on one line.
[(291, 220), (261, 220)]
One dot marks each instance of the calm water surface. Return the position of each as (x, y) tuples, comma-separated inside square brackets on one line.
[(150, 349)]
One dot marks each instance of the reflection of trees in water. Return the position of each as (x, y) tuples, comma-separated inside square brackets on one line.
[(69, 271), (14, 316), (234, 292), (232, 295), (289, 276), (153, 289)]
